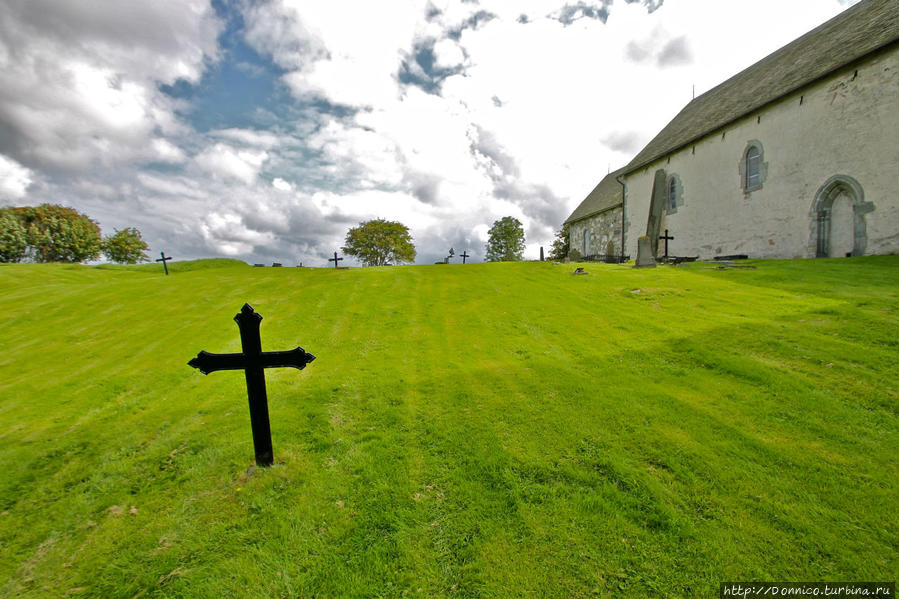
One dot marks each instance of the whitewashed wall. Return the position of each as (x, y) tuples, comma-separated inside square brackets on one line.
[(846, 124)]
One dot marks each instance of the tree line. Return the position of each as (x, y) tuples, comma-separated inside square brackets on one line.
[(51, 233), (380, 242)]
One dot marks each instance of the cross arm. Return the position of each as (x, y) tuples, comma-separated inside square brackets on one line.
[(293, 358), (207, 362)]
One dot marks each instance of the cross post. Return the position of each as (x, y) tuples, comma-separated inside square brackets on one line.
[(464, 256), (253, 361), (335, 259), (164, 259), (666, 237)]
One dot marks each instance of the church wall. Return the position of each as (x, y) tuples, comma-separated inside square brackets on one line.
[(602, 228), (845, 124)]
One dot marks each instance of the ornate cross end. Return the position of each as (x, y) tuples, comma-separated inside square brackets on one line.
[(294, 358), (247, 316), (207, 362), (201, 362)]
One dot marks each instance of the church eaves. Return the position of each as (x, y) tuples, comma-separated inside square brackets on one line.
[(605, 196), (864, 28)]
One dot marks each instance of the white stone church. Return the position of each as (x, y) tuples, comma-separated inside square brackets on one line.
[(795, 157)]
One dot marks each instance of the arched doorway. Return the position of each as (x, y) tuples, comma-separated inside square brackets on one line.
[(838, 219)]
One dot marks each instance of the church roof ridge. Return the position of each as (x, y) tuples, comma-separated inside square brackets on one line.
[(606, 195), (858, 31)]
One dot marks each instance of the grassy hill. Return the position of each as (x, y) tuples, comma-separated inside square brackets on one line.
[(488, 430)]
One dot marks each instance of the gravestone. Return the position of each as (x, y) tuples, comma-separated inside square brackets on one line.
[(335, 259), (666, 237), (464, 256), (645, 258), (276, 264), (253, 361), (656, 208), (541, 253), (164, 259)]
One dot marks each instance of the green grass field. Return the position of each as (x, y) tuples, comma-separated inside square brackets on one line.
[(487, 430)]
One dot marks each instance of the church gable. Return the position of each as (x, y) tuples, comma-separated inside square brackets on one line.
[(803, 174), (865, 28)]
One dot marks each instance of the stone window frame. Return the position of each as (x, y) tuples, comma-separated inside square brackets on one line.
[(744, 167), (674, 179)]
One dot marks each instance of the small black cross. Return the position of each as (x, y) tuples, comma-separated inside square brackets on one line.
[(335, 259), (666, 237), (253, 361), (164, 259), (464, 256)]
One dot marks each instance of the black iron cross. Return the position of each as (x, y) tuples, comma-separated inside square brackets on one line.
[(666, 237), (464, 256), (164, 259), (335, 259), (253, 361)]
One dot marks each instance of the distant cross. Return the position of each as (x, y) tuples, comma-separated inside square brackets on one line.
[(335, 259), (164, 259), (666, 237), (464, 256), (253, 361)]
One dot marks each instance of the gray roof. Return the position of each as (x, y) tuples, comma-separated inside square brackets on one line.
[(608, 194), (860, 30)]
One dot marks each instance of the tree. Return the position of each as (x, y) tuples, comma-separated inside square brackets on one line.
[(126, 247), (380, 242), (505, 240), (561, 244), (60, 234), (13, 240)]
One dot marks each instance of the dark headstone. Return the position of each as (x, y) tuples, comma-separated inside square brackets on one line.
[(464, 256), (666, 237), (164, 259), (276, 264), (253, 361), (335, 259)]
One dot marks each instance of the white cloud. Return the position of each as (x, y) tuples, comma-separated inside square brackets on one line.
[(228, 162), (79, 80), (14, 179), (250, 137), (227, 234), (166, 151), (281, 184)]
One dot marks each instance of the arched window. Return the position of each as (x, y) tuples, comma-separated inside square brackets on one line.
[(675, 193), (672, 194), (753, 168)]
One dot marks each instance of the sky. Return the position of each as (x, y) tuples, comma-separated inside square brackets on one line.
[(265, 130)]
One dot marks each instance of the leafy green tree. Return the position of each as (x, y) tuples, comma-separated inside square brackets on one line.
[(561, 244), (505, 241), (380, 242), (13, 241), (60, 234), (126, 247)]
